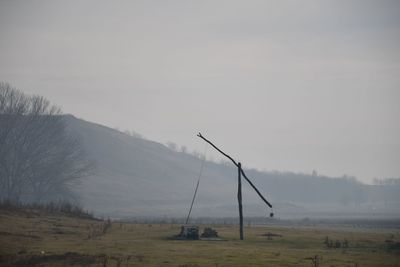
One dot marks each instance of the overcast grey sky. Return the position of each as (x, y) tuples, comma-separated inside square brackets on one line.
[(281, 85)]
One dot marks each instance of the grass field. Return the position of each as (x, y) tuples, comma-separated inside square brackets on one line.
[(29, 238)]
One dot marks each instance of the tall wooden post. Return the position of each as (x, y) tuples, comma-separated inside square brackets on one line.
[(239, 195)]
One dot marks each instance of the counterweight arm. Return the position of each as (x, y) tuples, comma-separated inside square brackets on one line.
[(237, 165)]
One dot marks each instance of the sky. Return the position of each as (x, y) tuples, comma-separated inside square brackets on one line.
[(279, 85)]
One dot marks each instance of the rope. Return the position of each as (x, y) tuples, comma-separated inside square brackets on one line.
[(198, 182)]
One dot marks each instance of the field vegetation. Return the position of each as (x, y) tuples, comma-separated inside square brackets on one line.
[(38, 237)]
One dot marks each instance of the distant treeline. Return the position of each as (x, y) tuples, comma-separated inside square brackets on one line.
[(312, 188), (258, 221), (387, 181), (315, 189), (50, 207)]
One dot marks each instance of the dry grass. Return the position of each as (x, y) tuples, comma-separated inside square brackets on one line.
[(37, 239)]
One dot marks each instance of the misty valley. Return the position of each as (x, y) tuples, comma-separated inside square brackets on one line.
[(77, 193)]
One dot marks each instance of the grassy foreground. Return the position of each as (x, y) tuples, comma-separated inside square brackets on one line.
[(32, 238)]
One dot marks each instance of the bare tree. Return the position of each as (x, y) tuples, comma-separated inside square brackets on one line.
[(39, 159)]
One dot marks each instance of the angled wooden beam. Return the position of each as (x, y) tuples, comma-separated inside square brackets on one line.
[(237, 165)]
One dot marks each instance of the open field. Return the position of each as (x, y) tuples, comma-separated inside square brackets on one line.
[(33, 238)]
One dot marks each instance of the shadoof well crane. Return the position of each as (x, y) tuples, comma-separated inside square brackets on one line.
[(239, 194)]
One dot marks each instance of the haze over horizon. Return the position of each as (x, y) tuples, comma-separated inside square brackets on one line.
[(278, 85)]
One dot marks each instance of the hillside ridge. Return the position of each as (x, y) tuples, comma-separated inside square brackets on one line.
[(139, 177)]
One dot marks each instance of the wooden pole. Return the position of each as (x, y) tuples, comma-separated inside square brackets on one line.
[(239, 195)]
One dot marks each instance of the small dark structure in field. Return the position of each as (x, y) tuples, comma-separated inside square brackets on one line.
[(190, 232), (209, 233)]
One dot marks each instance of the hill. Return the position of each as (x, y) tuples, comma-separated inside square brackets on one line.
[(136, 177)]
